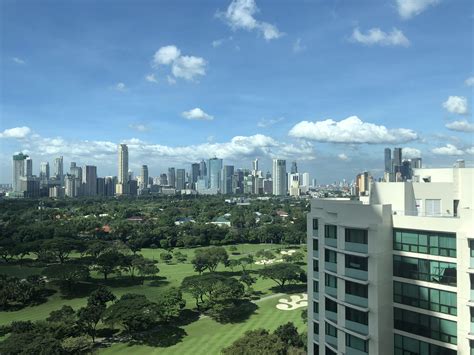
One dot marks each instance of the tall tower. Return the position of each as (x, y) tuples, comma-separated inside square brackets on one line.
[(255, 165), (172, 177), (180, 179), (294, 168), (226, 184), (89, 179), (279, 177), (214, 173), (202, 169), (122, 181), (144, 177), (59, 170), (44, 170), (29, 167), (388, 160), (18, 170)]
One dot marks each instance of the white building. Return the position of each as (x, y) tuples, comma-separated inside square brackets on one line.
[(279, 177), (123, 176), (394, 275)]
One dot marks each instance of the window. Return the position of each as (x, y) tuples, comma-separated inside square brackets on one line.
[(315, 245), (354, 315), (330, 256), (315, 224), (330, 231), (427, 326), (315, 307), (353, 288), (356, 235), (315, 286), (425, 270), (357, 343), (330, 305), (316, 266), (425, 242), (316, 328), (432, 207), (330, 330), (472, 314), (329, 351), (405, 345), (424, 297), (330, 280), (356, 262), (471, 247)]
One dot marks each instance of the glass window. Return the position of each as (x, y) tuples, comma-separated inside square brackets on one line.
[(356, 235), (357, 343), (357, 316), (356, 262), (315, 245), (330, 330), (408, 346), (315, 266), (330, 280), (330, 256), (330, 231), (316, 328), (315, 307), (425, 270), (315, 224), (315, 286), (434, 243), (331, 305), (356, 289)]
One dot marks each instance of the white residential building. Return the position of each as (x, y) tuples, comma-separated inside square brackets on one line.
[(394, 275)]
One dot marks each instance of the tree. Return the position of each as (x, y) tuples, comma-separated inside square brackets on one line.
[(61, 247), (77, 345), (166, 256), (109, 263), (289, 335), (194, 286), (257, 342), (170, 303), (233, 263), (133, 312), (293, 258), (246, 262), (69, 273), (265, 254), (15, 292), (143, 266), (281, 273), (65, 315), (247, 279), (209, 258)]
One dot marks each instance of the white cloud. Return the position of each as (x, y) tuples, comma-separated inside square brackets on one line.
[(448, 149), (120, 87), (298, 47), (456, 104), (410, 8), (140, 127), (16, 132), (186, 67), (263, 123), (469, 81), (240, 15), (217, 42), (171, 80), (351, 130), (343, 157), (470, 150), (151, 78), (409, 153), (375, 36), (197, 114), (18, 60), (460, 126)]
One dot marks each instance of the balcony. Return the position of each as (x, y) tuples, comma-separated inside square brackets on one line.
[(357, 327), (357, 301), (356, 274), (357, 247), (330, 266)]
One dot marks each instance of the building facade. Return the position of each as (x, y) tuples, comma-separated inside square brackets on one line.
[(122, 187), (394, 275), (279, 177)]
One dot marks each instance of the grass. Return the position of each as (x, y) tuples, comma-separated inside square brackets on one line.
[(202, 337)]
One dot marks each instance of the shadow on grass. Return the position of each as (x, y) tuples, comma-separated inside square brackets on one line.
[(238, 312), (77, 290), (162, 336), (187, 316), (291, 288), (158, 281), (122, 282), (40, 298)]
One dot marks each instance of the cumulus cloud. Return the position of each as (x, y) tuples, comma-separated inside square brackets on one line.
[(375, 36), (140, 127), (16, 132), (240, 15), (151, 78), (120, 87), (18, 60), (343, 157), (351, 130), (456, 104), (448, 149), (470, 150), (197, 114), (410, 153), (469, 81), (460, 126), (182, 66), (410, 8), (263, 123), (171, 80)]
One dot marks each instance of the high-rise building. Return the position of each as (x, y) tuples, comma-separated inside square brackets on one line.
[(180, 179), (294, 186), (163, 180), (416, 163), (294, 168), (214, 168), (171, 177), (144, 177), (227, 177), (305, 180), (109, 186), (279, 177), (122, 187), (101, 187), (18, 170), (44, 171), (59, 170), (388, 160), (194, 174), (394, 275), (29, 167), (70, 189), (202, 169), (89, 180)]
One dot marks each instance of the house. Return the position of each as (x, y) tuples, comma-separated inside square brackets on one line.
[(184, 220)]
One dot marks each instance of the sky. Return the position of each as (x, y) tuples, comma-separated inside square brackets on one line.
[(326, 83)]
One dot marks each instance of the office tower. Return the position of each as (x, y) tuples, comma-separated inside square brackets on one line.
[(396, 161), (267, 186), (294, 187), (214, 168), (89, 180), (133, 187), (70, 189), (227, 174), (279, 177), (58, 170), (416, 163), (294, 168), (171, 177), (109, 186), (406, 170), (362, 184), (268, 175), (18, 170), (44, 171), (144, 177), (163, 180), (202, 169), (388, 160), (56, 191), (30, 186), (100, 185), (305, 180), (238, 182), (29, 167), (394, 275), (122, 187), (195, 173), (314, 183), (180, 179), (255, 165)]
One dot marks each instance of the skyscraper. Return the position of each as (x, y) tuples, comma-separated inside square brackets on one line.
[(89, 180), (397, 160), (294, 168), (388, 160), (70, 185), (194, 174), (59, 170), (202, 169), (172, 177), (18, 170), (44, 170), (180, 179), (144, 177), (122, 187), (255, 165), (227, 174), (279, 177), (29, 167), (214, 173)]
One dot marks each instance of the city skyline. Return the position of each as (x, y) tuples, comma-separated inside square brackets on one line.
[(168, 94)]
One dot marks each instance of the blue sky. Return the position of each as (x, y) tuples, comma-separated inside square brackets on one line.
[(185, 80)]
